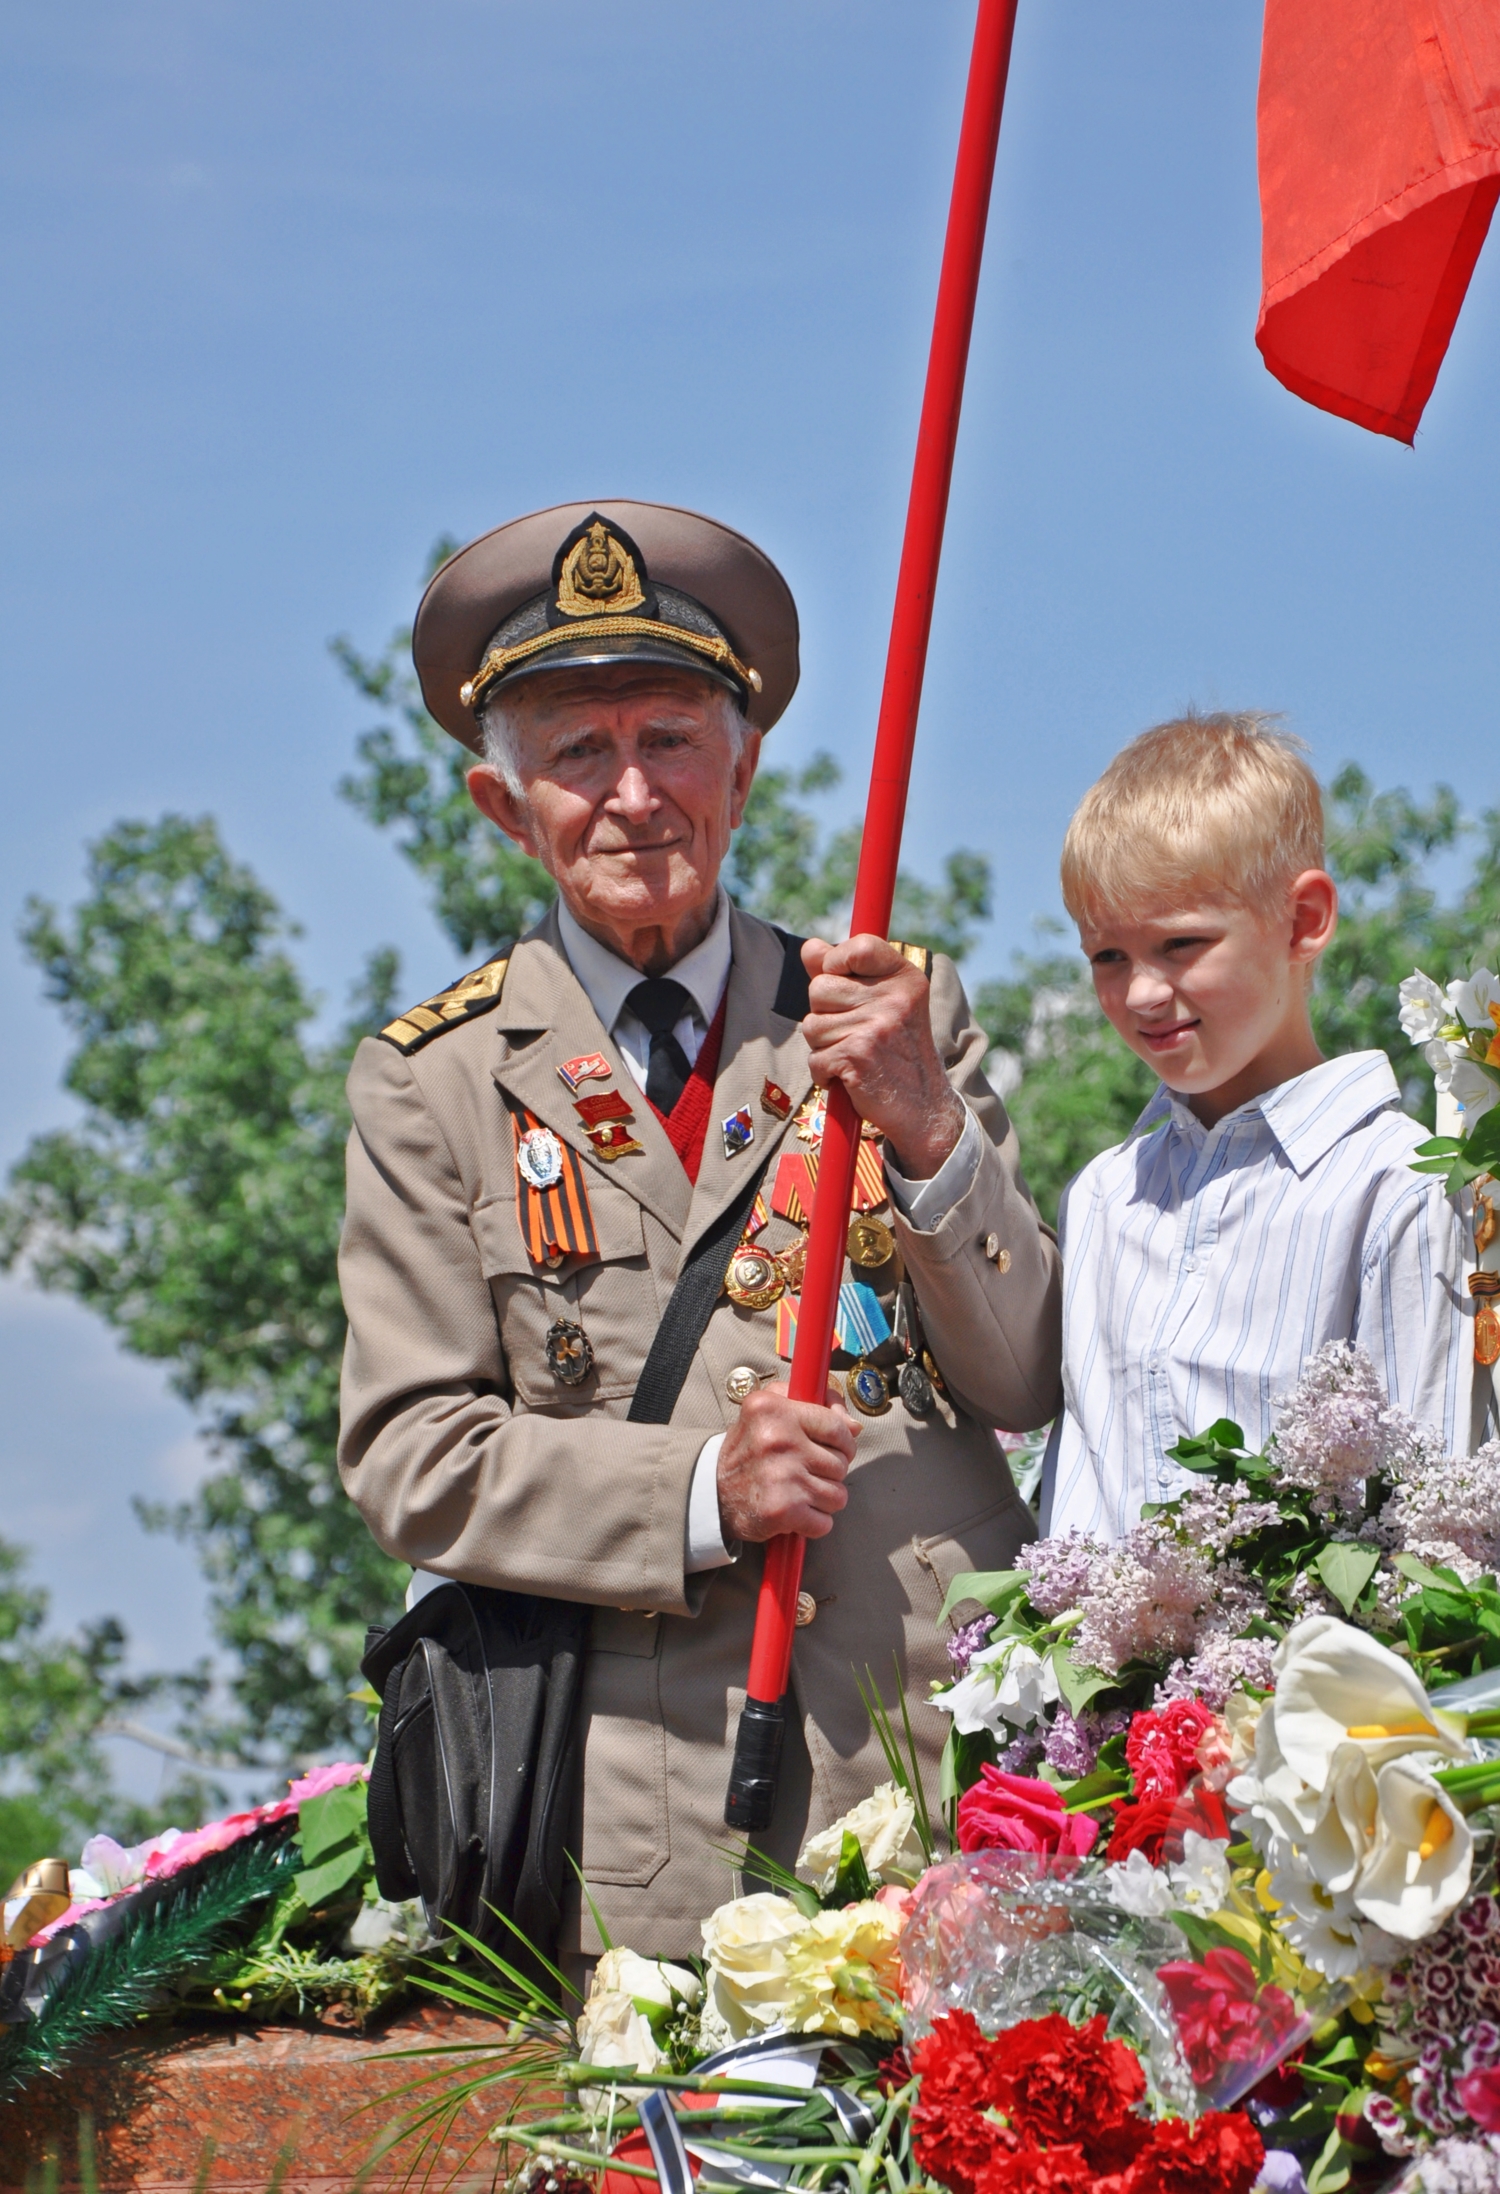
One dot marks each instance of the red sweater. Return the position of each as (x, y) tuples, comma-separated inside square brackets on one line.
[(687, 1122)]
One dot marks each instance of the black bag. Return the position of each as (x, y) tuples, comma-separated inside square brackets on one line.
[(477, 1756)]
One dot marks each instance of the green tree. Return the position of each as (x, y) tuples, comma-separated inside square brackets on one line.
[(196, 1208), (57, 1697)]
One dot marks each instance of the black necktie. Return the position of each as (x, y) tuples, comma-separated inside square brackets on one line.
[(659, 1004)]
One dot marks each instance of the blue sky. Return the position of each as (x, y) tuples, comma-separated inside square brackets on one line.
[(293, 290)]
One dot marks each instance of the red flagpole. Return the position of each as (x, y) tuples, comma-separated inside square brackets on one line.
[(751, 1797)]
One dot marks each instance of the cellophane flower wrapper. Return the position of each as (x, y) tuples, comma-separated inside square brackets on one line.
[(1009, 1936)]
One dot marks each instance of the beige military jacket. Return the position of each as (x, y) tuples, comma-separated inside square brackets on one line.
[(467, 1457)]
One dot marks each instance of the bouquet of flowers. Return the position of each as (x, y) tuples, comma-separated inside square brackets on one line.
[(1219, 1907)]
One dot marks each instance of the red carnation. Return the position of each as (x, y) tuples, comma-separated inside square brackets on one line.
[(1045, 2171), (1220, 2153), (1060, 2084), (1162, 1748), (1156, 1826), (1224, 2017)]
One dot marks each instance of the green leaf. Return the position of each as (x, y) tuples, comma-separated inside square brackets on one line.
[(1423, 1573), (326, 1822), (1346, 1567), (1077, 1685), (1439, 1146), (992, 1588), (316, 1884), (1093, 1790), (852, 1884)]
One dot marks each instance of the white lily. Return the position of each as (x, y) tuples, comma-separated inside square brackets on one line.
[(1201, 1881), (1423, 1855), (1471, 1000), (1424, 1008), (1008, 1682), (1335, 1685)]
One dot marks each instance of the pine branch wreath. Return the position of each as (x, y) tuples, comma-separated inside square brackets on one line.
[(165, 1935)]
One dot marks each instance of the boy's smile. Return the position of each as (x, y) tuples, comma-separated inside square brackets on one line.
[(1212, 993)]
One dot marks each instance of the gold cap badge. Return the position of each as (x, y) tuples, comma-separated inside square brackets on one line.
[(598, 575)]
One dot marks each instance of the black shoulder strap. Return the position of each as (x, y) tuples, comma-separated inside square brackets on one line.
[(687, 1314)]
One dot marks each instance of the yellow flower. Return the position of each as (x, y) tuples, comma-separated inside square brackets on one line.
[(769, 1966)]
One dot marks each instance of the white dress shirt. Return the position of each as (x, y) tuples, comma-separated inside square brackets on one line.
[(1203, 1266)]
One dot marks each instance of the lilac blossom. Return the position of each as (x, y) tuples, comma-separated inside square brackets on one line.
[(1335, 1431), (965, 1643), (1222, 1664)]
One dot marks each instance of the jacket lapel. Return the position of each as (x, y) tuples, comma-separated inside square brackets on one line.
[(760, 1044), (545, 1018)]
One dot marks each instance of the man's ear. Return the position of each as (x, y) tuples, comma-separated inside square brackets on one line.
[(744, 778), (1314, 906), (494, 798)]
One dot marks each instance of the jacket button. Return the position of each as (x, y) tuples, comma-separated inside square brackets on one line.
[(807, 1610), (741, 1383), (992, 1247)]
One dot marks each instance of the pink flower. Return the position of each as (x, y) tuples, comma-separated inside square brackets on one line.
[(321, 1779), (894, 1898), (1018, 1813), (1479, 2092)]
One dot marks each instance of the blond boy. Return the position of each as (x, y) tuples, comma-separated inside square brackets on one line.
[(1264, 1202)]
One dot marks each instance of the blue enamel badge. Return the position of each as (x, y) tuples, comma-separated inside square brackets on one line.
[(739, 1132)]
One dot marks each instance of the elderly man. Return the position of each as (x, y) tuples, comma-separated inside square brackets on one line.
[(538, 1152)]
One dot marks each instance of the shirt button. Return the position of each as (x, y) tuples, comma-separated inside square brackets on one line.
[(807, 1610), (1189, 1264), (741, 1383)]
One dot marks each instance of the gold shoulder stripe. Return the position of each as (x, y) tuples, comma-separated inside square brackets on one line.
[(472, 994), (919, 956)]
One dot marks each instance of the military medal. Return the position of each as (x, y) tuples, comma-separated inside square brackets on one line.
[(915, 1389), (592, 1067), (871, 1243), (739, 1132), (612, 1139), (570, 1353), (605, 1104), (811, 1114), (867, 1390), (774, 1099), (552, 1197), (754, 1279), (539, 1157)]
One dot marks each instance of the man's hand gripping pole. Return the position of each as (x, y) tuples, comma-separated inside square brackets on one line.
[(751, 1798)]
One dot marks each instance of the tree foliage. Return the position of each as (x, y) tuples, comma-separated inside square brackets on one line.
[(196, 1208), (54, 1695)]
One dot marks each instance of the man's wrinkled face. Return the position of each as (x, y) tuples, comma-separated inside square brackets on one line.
[(630, 789)]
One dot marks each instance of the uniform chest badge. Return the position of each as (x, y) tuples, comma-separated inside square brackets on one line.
[(606, 1104), (774, 1099), (755, 1280), (592, 1067), (739, 1132), (612, 1139), (539, 1158)]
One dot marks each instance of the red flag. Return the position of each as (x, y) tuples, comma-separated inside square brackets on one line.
[(1379, 169)]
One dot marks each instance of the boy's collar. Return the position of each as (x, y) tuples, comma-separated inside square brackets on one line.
[(1306, 1115)]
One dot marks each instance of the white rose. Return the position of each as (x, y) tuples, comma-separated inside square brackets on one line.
[(653, 1986), (745, 1944), (1424, 1008), (884, 1826), (611, 2030)]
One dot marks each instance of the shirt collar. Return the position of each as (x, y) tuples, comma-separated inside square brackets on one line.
[(1306, 1115), (609, 980)]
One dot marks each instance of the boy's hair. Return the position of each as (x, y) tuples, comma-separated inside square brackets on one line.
[(1221, 801)]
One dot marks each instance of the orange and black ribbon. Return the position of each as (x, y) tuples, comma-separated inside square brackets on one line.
[(556, 1222)]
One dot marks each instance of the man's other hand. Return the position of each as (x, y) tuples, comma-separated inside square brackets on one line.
[(782, 1466), (869, 1026)]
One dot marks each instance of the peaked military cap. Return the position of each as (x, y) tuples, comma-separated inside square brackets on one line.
[(591, 583)]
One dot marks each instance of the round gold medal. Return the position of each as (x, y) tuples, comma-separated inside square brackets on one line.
[(871, 1242), (754, 1280)]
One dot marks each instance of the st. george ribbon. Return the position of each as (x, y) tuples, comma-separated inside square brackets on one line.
[(751, 1798)]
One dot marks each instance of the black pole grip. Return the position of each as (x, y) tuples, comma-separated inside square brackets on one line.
[(751, 1798)]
